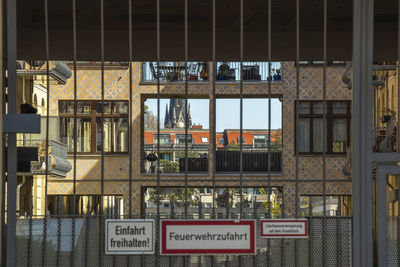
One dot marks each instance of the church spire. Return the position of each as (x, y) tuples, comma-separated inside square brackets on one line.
[(166, 119), (189, 117)]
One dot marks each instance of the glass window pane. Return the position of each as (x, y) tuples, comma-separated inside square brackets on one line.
[(84, 107), (339, 135), (339, 108), (120, 107), (304, 107), (66, 107), (107, 107), (318, 139), (103, 136), (304, 135), (83, 134), (318, 107), (121, 135)]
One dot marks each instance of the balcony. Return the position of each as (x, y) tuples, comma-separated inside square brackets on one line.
[(168, 72), (35, 146)]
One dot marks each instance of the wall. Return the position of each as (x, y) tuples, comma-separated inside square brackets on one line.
[(116, 167)]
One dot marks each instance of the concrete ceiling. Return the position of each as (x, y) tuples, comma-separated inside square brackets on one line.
[(31, 34)]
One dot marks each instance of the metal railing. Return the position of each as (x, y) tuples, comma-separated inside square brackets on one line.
[(198, 72)]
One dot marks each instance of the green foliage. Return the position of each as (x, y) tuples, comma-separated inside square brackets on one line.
[(176, 196), (273, 205), (169, 166)]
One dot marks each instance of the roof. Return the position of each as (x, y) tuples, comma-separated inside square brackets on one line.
[(197, 135)]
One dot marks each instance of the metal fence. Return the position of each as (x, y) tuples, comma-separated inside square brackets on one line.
[(79, 241)]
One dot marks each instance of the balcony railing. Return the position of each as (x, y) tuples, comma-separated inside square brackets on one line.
[(57, 162), (198, 72), (385, 140)]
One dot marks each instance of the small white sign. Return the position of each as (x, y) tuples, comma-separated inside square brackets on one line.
[(129, 236), (284, 228), (179, 237)]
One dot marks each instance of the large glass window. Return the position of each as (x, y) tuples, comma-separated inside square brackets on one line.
[(255, 141), (334, 206), (173, 139), (95, 134), (225, 200), (311, 127)]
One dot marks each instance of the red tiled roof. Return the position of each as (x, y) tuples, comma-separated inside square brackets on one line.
[(232, 135)]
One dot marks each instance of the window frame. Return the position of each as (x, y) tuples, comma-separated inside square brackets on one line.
[(329, 125), (93, 116)]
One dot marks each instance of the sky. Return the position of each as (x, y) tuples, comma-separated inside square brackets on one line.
[(255, 112)]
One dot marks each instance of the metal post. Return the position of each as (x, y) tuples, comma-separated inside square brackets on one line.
[(75, 132), (157, 262), (324, 135), (47, 129), (101, 212), (12, 142), (363, 13)]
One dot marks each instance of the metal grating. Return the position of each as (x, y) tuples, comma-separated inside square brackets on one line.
[(89, 249)]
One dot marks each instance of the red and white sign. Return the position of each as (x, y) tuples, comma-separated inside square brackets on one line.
[(181, 237), (284, 228)]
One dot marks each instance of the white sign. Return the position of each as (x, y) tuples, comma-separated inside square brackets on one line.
[(284, 228), (129, 236), (207, 237)]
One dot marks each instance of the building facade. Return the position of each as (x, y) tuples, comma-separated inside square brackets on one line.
[(89, 170)]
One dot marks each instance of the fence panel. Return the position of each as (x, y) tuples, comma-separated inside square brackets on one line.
[(86, 246)]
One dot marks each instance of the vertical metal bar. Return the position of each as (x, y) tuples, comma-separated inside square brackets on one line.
[(297, 123), (59, 212), (29, 254), (130, 139), (324, 134), (362, 139), (398, 80), (75, 131), (12, 142), (269, 52), (381, 215), (47, 127), (87, 220), (398, 218), (241, 113), (157, 262), (101, 218), (186, 110), (213, 103)]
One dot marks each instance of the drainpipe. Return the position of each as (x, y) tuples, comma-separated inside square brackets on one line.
[(19, 193)]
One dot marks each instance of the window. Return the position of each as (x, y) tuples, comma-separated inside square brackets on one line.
[(94, 133), (310, 127), (173, 135), (180, 139), (165, 139), (243, 141), (321, 63), (220, 140), (260, 141), (334, 206)]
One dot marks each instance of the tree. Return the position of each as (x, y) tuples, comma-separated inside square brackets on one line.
[(176, 196), (169, 166), (276, 140), (150, 120), (273, 205)]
